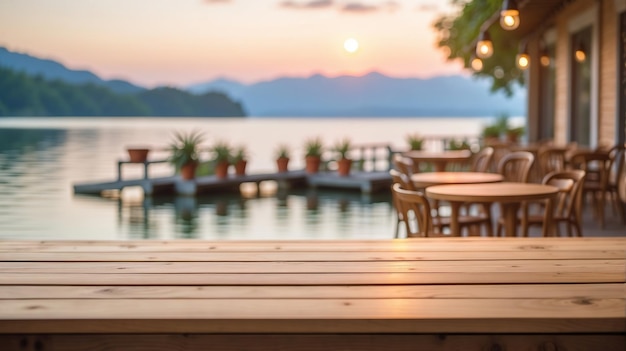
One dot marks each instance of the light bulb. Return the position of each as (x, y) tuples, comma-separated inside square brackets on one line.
[(509, 21), (484, 49), (477, 64), (522, 61), (580, 55), (545, 60)]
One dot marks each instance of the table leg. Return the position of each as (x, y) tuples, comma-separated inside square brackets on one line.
[(548, 224), (455, 229), (439, 166), (119, 171), (509, 213)]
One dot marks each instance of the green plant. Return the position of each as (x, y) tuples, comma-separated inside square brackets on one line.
[(415, 141), (239, 154), (342, 148), (491, 131), (458, 145), (517, 131), (282, 151), (221, 152), (502, 122), (313, 147), (184, 148)]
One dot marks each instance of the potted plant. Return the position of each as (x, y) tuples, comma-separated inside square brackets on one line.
[(221, 157), (491, 134), (313, 155), (343, 163), (458, 145), (415, 142), (282, 158), (184, 155), (138, 154), (513, 134), (240, 160)]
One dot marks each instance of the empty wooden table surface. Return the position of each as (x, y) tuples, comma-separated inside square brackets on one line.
[(509, 195), (439, 159), (423, 180), (480, 293)]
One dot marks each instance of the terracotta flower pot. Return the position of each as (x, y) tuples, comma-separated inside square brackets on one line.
[(138, 155), (240, 167), (221, 169), (312, 164), (188, 170), (343, 167), (282, 164)]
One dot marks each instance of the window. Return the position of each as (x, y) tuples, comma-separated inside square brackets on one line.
[(581, 93), (547, 83)]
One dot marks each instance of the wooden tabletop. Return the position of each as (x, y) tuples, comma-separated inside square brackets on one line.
[(423, 180), (451, 155), (491, 192), (508, 194), (429, 285)]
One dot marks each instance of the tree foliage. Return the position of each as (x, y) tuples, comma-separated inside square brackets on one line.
[(458, 33), (25, 95)]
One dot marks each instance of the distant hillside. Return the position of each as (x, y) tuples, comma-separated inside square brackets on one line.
[(54, 70), (370, 95), (25, 95)]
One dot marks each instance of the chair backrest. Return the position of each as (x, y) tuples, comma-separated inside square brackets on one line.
[(616, 164), (402, 179), (402, 172), (569, 199), (551, 159), (515, 167), (415, 211), (482, 160), (596, 165), (620, 175)]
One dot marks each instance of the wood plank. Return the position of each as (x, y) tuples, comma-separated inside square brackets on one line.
[(462, 315), (310, 279), (477, 266), (525, 291), (300, 342), (402, 245), (180, 256)]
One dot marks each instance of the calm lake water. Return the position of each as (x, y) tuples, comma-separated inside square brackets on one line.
[(41, 158)]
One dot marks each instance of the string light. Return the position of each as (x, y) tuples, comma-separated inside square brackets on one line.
[(522, 60), (477, 64), (580, 53), (484, 47), (509, 15)]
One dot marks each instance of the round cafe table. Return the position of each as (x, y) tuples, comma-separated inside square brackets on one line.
[(424, 180), (439, 159), (509, 195)]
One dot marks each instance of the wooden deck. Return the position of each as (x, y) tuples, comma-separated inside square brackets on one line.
[(418, 294), (367, 182)]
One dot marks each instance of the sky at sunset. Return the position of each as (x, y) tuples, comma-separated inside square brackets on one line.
[(180, 42)]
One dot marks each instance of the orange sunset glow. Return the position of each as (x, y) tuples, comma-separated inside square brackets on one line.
[(181, 42)]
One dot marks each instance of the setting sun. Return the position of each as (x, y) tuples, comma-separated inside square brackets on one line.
[(351, 45)]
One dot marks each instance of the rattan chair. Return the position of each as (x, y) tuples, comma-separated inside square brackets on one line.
[(597, 166), (415, 210), (515, 167), (567, 206), (551, 159), (482, 160)]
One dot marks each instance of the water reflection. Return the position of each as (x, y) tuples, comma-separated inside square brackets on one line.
[(293, 214)]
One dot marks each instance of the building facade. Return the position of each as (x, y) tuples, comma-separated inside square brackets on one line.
[(577, 77)]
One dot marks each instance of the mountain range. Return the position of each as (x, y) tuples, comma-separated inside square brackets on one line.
[(370, 95), (51, 70)]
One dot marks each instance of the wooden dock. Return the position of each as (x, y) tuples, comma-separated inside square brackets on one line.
[(367, 182), (417, 294)]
